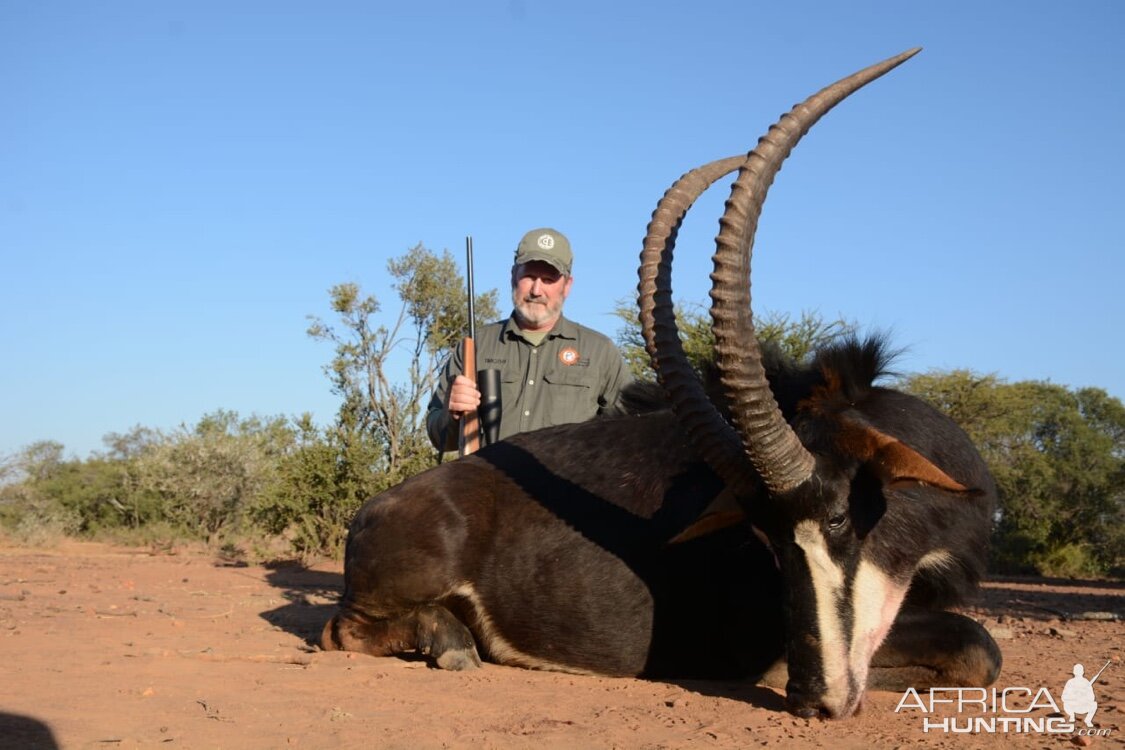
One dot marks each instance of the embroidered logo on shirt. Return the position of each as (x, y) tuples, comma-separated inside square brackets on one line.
[(568, 356)]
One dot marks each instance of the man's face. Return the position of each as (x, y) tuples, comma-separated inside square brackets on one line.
[(538, 293)]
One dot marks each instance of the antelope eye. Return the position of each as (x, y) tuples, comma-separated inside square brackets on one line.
[(835, 523)]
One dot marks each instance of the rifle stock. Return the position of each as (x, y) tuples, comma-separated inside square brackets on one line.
[(470, 424)]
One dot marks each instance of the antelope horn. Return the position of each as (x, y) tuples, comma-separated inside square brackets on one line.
[(717, 441), (772, 446)]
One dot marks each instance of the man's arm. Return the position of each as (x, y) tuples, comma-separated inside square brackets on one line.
[(455, 394), (439, 423)]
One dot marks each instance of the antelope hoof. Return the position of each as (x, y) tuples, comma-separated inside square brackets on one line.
[(459, 660)]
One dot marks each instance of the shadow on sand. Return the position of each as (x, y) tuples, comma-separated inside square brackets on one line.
[(1052, 598), (310, 597), (25, 733)]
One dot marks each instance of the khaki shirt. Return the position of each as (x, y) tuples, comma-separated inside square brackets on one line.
[(571, 376)]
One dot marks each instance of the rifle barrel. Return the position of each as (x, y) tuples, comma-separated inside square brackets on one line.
[(469, 439), (469, 278)]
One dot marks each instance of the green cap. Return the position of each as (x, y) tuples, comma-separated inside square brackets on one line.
[(547, 245)]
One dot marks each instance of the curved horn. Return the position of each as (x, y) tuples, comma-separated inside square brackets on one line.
[(773, 447), (716, 440)]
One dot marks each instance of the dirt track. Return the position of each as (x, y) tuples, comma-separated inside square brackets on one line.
[(103, 647)]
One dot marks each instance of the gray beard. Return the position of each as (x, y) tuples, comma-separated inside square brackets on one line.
[(533, 314)]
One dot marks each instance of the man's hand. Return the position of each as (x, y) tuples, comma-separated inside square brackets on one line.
[(463, 396)]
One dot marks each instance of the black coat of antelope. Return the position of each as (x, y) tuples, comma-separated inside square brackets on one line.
[(805, 520)]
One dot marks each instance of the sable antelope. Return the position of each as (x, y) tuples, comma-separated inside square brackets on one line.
[(807, 515)]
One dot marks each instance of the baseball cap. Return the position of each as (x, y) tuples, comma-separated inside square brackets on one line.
[(548, 245)]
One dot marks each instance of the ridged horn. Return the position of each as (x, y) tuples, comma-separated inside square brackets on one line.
[(772, 446), (715, 439)]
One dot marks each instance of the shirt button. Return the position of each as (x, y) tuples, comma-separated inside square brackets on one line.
[(531, 382), (527, 414)]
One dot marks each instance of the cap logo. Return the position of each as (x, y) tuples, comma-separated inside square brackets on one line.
[(545, 241)]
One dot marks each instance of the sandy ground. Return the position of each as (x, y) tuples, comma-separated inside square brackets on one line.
[(104, 647)]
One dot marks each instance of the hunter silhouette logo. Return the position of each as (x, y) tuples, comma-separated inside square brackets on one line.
[(1008, 710), (1078, 695)]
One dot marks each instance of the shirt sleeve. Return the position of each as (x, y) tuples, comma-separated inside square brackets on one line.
[(439, 425), (616, 377)]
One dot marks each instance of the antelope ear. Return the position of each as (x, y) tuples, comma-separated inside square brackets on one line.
[(723, 512), (893, 460)]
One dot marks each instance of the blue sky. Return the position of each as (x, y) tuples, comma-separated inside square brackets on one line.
[(182, 182)]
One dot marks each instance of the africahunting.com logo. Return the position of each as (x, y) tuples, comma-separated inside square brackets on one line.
[(1011, 710)]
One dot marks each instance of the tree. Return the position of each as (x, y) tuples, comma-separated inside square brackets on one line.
[(67, 496), (797, 339), (41, 459), (317, 488), (207, 477), (384, 374), (128, 445), (27, 505), (431, 317), (1058, 457)]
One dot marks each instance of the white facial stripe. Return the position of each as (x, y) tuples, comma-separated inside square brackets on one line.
[(828, 586), (810, 539), (498, 647), (876, 599)]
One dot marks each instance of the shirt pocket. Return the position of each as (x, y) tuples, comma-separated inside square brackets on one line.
[(571, 396), (510, 389)]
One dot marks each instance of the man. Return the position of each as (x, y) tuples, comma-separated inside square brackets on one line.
[(552, 370), (1078, 696)]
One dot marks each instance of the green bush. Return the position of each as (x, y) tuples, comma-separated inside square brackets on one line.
[(1074, 560)]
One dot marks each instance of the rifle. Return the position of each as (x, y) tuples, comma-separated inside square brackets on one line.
[(1099, 674), (470, 425)]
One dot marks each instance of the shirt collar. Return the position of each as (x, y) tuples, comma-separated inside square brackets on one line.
[(563, 329)]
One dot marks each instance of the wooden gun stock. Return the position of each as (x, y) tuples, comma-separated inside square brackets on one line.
[(470, 423)]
